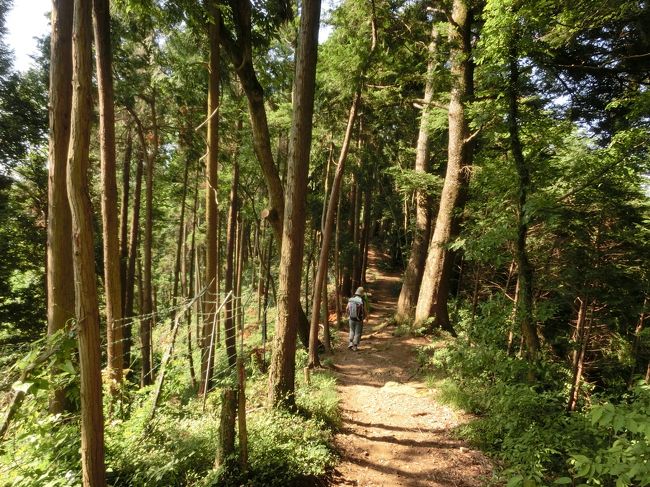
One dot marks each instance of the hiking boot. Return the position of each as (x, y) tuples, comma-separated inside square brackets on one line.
[(351, 347), (355, 348)]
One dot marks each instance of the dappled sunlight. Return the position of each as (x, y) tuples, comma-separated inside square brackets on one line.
[(393, 431)]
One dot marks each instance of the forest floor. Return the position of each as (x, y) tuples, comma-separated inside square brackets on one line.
[(394, 432)]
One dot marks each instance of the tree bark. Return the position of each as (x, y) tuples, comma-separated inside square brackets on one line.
[(415, 266), (180, 239), (327, 231), (131, 265), (87, 308), (578, 357), (240, 53), (146, 325), (282, 373), (226, 446), (337, 259), (637, 339), (192, 262), (230, 307), (112, 281), (211, 203), (60, 294), (124, 218), (524, 303), (459, 158)]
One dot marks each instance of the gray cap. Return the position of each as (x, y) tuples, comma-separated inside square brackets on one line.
[(359, 291)]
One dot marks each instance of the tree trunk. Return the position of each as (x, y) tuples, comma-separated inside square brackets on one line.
[(180, 241), (124, 219), (459, 157), (365, 234), (192, 262), (112, 281), (146, 325), (637, 339), (60, 294), (240, 53), (230, 307), (337, 259), (524, 304), (239, 311), (346, 285), (211, 204), (415, 267), (356, 254), (226, 446), (87, 308), (581, 338), (327, 231), (131, 265), (282, 373)]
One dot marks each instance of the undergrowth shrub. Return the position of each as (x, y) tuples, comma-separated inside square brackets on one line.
[(177, 447), (524, 425)]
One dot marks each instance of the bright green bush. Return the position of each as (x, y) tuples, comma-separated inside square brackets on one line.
[(624, 458)]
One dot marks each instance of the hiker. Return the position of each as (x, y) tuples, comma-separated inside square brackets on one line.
[(356, 310)]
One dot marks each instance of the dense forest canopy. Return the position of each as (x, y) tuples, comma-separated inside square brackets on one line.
[(189, 192)]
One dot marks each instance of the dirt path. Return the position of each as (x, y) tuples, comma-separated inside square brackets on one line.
[(394, 432)]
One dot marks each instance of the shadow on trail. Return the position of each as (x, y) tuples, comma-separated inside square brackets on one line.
[(394, 433)]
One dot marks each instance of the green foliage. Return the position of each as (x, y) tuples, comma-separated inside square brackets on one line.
[(285, 447), (176, 449), (623, 459)]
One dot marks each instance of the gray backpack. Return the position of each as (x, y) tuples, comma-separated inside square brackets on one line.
[(355, 309)]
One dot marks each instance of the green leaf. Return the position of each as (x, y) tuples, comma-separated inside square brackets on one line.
[(563, 481), (515, 481), (68, 367)]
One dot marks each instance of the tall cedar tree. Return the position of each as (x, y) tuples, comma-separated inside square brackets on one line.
[(112, 281), (432, 299), (282, 373), (211, 204), (415, 267), (87, 308), (60, 295)]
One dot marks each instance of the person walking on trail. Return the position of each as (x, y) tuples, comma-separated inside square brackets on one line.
[(356, 310)]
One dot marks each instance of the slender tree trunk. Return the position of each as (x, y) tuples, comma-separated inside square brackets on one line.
[(282, 373), (146, 325), (147, 298), (229, 285), (415, 267), (582, 338), (192, 262), (60, 294), (131, 265), (87, 308), (459, 157), (637, 339), (337, 259), (240, 53), (346, 286), (365, 234), (124, 218), (180, 240), (239, 272), (327, 231), (356, 255), (226, 446), (112, 281), (525, 271), (211, 203)]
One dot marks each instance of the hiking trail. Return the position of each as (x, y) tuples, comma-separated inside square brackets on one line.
[(393, 432)]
